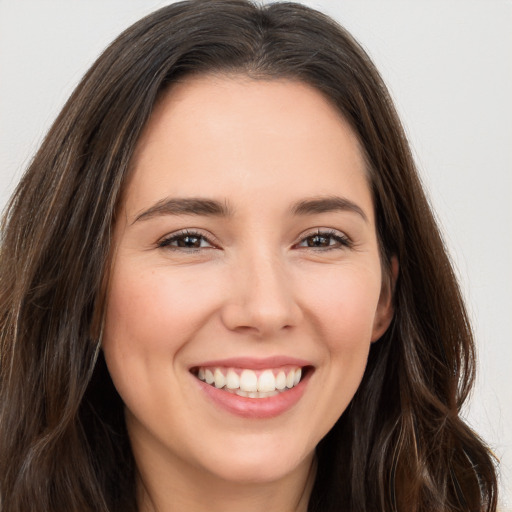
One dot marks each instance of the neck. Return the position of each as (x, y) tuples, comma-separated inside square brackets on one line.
[(173, 491)]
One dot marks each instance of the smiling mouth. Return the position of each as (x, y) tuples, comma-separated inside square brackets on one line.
[(251, 383)]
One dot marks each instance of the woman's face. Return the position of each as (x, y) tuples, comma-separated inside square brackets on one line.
[(246, 254)]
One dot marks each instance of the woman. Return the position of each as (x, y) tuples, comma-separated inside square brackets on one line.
[(233, 294)]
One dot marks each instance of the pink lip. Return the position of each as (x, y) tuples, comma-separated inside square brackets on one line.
[(253, 363), (254, 408)]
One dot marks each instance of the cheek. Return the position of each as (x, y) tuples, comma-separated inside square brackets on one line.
[(156, 309), (344, 302), (151, 316)]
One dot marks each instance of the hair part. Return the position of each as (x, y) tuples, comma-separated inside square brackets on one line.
[(400, 446)]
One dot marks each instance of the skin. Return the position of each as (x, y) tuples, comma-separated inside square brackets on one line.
[(253, 288)]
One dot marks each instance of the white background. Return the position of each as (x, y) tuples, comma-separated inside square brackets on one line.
[(448, 64)]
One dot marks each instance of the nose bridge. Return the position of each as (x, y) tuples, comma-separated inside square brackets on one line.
[(263, 299)]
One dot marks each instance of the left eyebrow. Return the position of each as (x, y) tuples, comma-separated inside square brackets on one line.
[(327, 204), (185, 206)]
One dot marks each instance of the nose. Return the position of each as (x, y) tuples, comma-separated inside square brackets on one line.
[(260, 297)]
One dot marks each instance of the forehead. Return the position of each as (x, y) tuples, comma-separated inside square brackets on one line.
[(210, 133)]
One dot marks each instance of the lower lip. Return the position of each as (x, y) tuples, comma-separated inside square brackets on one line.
[(256, 408)]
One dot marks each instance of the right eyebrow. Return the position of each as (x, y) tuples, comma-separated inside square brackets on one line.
[(318, 205), (185, 206)]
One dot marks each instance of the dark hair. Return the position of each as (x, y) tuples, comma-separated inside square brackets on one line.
[(401, 444)]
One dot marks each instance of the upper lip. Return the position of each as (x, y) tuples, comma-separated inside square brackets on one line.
[(254, 363)]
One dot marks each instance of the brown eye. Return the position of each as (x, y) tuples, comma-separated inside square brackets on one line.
[(325, 240), (188, 240), (319, 241)]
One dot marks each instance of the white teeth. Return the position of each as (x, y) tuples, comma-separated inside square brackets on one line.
[(256, 394), (220, 380), (232, 379), (267, 381), (290, 379), (281, 380), (297, 376), (248, 381), (208, 376)]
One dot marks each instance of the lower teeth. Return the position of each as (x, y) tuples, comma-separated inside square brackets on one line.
[(252, 394)]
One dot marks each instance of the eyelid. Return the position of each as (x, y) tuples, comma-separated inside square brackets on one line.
[(165, 241), (344, 240)]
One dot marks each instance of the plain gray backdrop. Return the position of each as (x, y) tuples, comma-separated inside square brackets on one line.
[(448, 64)]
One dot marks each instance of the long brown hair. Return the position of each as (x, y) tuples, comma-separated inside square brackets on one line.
[(401, 444)]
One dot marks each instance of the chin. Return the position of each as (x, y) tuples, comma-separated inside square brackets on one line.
[(256, 464)]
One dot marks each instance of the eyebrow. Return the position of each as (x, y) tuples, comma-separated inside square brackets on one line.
[(211, 207), (327, 204), (185, 206)]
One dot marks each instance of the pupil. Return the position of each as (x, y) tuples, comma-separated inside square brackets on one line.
[(189, 241), (318, 241)]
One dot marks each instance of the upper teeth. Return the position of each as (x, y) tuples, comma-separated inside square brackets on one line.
[(249, 381)]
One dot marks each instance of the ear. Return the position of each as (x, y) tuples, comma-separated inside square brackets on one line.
[(385, 308)]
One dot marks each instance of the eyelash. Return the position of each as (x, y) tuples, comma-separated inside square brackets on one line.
[(181, 235), (342, 241)]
